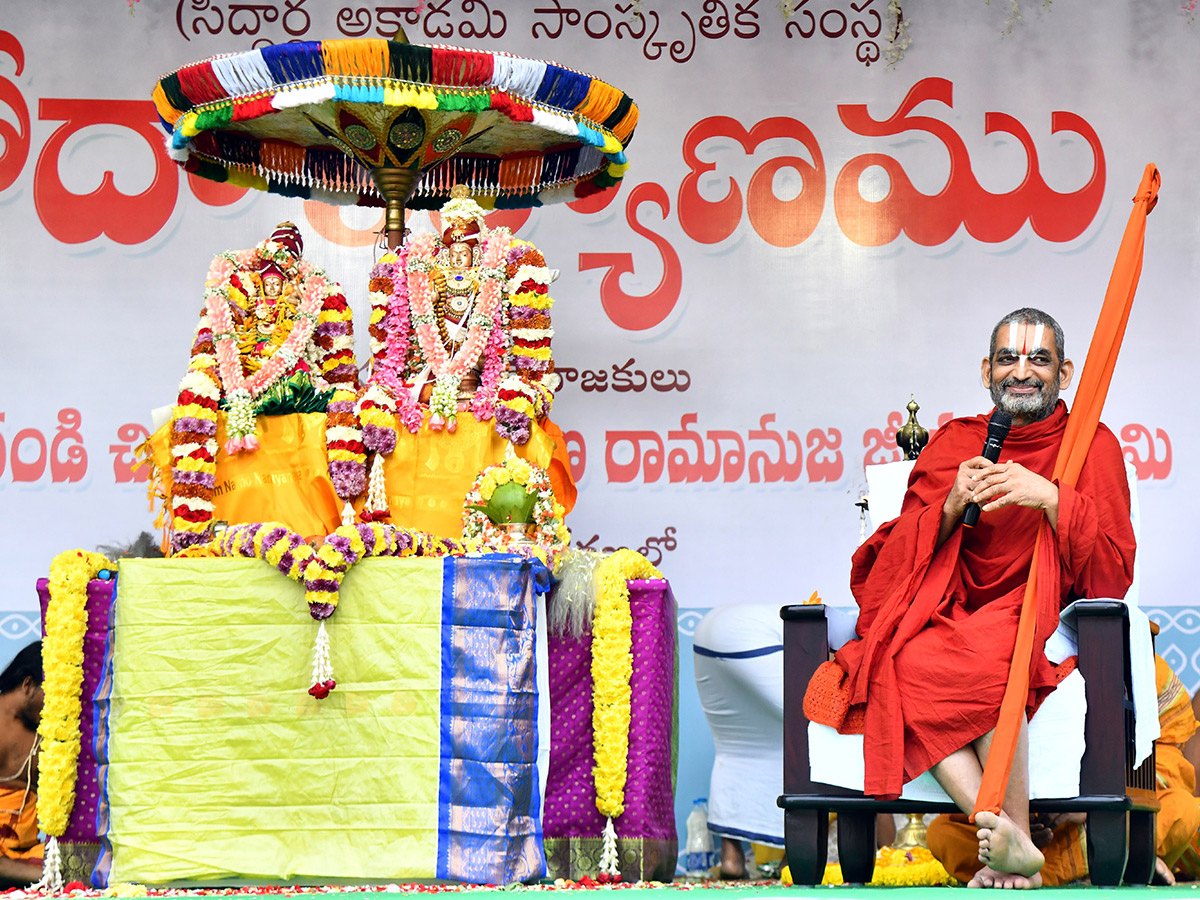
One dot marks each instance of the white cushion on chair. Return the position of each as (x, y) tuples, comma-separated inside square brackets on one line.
[(1055, 750)]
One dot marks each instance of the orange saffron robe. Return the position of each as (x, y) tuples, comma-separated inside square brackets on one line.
[(936, 629)]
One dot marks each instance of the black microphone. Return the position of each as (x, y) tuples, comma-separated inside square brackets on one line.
[(998, 426)]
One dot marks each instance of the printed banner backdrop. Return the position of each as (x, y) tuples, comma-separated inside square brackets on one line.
[(806, 237)]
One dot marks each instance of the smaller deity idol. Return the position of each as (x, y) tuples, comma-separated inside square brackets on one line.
[(275, 337)]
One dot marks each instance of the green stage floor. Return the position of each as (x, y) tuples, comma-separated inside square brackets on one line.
[(694, 891)]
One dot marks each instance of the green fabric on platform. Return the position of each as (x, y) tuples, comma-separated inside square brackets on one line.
[(231, 768)]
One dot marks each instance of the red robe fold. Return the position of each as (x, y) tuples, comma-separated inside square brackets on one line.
[(937, 629)]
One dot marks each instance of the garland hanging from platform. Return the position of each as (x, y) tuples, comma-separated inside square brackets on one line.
[(62, 663), (612, 669), (323, 569)]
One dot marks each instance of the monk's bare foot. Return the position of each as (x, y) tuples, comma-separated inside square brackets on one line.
[(988, 877), (1010, 859)]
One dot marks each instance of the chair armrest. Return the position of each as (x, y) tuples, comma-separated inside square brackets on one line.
[(1108, 766), (805, 646)]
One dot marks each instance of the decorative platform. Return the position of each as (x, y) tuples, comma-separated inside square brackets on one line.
[(215, 763)]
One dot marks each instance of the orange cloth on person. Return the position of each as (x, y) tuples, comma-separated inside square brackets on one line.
[(953, 842), (1179, 815), (18, 825), (937, 626)]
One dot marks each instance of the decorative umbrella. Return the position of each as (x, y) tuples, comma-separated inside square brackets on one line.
[(376, 122)]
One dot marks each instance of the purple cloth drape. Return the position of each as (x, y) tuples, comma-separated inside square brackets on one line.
[(570, 809), (82, 824)]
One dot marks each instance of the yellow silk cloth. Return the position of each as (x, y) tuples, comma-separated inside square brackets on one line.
[(1179, 814), (285, 480), (18, 825), (429, 473), (219, 763)]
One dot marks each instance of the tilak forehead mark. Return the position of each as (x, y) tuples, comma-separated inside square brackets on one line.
[(1027, 347)]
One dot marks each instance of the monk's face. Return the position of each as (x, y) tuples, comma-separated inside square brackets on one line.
[(1024, 374)]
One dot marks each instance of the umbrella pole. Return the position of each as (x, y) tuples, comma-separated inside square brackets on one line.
[(396, 185)]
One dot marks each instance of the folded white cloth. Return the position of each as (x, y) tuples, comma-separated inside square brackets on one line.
[(1055, 750)]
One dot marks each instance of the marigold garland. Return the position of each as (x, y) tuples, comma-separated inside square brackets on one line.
[(612, 668), (547, 530), (62, 663), (917, 867)]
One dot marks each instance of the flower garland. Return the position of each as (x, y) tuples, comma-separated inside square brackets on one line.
[(62, 661), (448, 370), (612, 668), (547, 530), (526, 390), (194, 448), (916, 867), (332, 352), (386, 397), (323, 569)]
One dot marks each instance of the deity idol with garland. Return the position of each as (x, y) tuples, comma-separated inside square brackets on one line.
[(460, 339), (275, 337)]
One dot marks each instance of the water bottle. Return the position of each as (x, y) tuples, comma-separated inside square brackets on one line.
[(699, 840)]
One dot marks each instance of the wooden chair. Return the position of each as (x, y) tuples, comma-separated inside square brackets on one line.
[(1118, 798)]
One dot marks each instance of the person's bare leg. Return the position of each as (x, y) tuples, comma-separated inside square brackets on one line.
[(1007, 851), (733, 859), (885, 830), (1005, 845)]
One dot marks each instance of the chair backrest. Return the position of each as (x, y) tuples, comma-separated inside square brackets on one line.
[(887, 482)]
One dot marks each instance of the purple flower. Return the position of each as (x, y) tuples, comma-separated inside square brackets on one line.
[(181, 540), (321, 611), (205, 479), (341, 544), (512, 424), (321, 584), (367, 533), (532, 365), (381, 440), (191, 423), (332, 328), (349, 478), (272, 537)]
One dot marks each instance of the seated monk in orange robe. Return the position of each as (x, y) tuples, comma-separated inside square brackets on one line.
[(939, 603)]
